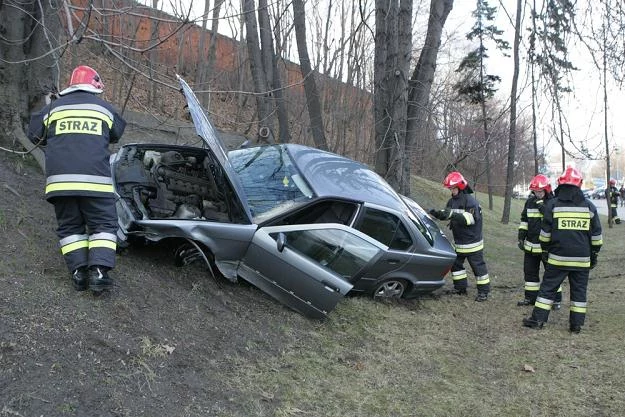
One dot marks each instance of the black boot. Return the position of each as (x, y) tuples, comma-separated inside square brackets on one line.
[(533, 323), (80, 278), (525, 302), (99, 280), (481, 296), (575, 328)]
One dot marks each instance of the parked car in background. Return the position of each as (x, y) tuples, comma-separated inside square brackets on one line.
[(598, 193), (587, 193), (303, 225)]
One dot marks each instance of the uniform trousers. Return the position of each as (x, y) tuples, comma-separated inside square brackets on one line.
[(87, 230), (552, 279), (478, 266)]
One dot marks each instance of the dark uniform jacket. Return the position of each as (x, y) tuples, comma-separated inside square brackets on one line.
[(531, 220), (466, 222), (76, 130), (614, 195), (571, 230)]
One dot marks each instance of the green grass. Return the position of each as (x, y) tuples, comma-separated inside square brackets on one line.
[(450, 356)]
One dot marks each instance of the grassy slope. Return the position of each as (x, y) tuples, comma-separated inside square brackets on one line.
[(450, 356)]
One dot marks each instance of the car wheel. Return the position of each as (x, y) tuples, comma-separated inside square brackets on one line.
[(390, 288)]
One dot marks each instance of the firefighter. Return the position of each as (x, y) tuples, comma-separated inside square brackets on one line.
[(76, 130), (529, 232), (465, 216), (613, 194), (571, 238)]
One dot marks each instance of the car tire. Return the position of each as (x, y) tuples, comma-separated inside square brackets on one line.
[(390, 288)]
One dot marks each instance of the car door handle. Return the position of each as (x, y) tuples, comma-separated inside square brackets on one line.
[(330, 286), (393, 261)]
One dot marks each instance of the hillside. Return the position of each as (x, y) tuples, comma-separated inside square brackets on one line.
[(172, 341)]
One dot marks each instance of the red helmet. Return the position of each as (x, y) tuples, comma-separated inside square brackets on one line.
[(612, 181), (571, 176), (455, 179), (540, 182), (86, 79)]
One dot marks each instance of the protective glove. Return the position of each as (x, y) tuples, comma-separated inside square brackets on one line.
[(593, 259), (522, 234), (540, 205), (440, 214), (457, 218), (521, 245)]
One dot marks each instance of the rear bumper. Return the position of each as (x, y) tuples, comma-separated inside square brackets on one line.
[(423, 287)]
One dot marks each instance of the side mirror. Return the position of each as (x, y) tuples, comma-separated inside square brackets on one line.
[(281, 241)]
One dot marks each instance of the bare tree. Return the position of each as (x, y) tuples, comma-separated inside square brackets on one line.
[(310, 85), (513, 115), (476, 85), (420, 85), (393, 34), (259, 74), (30, 34)]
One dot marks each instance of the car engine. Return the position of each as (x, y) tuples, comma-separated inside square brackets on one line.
[(180, 184)]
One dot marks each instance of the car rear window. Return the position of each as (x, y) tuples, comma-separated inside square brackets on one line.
[(386, 228)]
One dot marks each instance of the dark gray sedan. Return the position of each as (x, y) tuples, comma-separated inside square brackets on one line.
[(303, 225)]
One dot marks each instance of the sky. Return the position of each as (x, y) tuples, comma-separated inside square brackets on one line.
[(583, 107)]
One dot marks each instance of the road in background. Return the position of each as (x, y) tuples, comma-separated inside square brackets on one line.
[(602, 207)]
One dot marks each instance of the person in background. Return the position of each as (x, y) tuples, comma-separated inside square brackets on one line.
[(76, 130), (614, 194), (622, 195), (465, 220), (571, 239), (528, 239)]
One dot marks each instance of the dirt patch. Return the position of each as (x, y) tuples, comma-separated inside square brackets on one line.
[(161, 343)]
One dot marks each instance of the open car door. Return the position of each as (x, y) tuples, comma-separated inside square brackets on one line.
[(307, 267)]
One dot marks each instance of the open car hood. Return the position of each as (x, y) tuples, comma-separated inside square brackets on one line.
[(209, 135)]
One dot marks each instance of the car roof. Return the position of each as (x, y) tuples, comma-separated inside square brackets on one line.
[(332, 175)]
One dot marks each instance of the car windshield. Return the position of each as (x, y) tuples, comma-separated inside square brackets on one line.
[(271, 182), (421, 220)]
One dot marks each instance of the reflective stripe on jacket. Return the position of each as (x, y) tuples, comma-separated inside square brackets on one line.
[(571, 229), (531, 220), (77, 129), (467, 230)]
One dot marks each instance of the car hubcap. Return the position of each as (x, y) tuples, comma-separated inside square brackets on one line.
[(391, 289)]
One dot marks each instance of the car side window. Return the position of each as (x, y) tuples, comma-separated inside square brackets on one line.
[(337, 250), (386, 228)]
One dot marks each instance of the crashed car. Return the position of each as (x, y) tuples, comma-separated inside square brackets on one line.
[(303, 225)]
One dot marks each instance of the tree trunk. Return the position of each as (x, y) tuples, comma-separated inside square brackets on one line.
[(513, 102), (265, 131), (153, 54), (487, 146), (393, 48), (420, 85), (283, 116), (310, 86), (23, 88), (200, 75), (212, 47)]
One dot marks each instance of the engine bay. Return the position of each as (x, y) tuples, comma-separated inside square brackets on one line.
[(172, 182)]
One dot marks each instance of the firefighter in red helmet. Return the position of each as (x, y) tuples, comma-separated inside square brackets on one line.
[(528, 236), (76, 130), (571, 238), (613, 195), (465, 216)]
